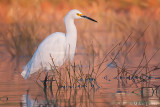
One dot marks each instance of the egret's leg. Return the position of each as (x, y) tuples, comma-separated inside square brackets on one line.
[(45, 80)]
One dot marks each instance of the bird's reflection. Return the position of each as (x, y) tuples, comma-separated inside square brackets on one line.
[(60, 96), (27, 101)]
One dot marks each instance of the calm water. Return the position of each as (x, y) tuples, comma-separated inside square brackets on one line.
[(107, 92)]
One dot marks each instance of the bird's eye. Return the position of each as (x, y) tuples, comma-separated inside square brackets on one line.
[(79, 14)]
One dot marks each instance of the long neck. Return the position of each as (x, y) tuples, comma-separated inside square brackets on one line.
[(71, 31), (71, 37)]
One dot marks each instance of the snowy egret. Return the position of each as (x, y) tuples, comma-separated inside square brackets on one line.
[(59, 46)]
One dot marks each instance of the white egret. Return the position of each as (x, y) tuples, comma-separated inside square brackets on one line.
[(59, 46)]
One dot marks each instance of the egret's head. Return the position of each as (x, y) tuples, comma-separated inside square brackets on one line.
[(76, 14)]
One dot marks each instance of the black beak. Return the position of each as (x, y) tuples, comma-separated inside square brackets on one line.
[(88, 18)]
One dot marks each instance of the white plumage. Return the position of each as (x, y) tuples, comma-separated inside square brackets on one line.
[(59, 46)]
